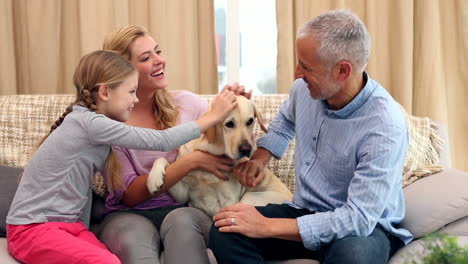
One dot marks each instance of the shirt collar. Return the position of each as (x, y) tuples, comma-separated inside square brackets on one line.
[(352, 106)]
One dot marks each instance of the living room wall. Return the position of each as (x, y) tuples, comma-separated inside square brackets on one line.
[(419, 49)]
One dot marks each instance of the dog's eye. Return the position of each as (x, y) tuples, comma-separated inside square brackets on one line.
[(229, 124), (249, 122)]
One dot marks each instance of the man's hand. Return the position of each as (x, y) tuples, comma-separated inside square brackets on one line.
[(238, 90), (247, 220), (250, 173), (244, 219)]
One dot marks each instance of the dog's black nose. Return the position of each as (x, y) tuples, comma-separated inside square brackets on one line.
[(245, 149)]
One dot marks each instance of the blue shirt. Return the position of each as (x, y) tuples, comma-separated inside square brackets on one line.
[(349, 162)]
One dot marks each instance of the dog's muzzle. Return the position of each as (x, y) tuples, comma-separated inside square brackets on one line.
[(245, 149)]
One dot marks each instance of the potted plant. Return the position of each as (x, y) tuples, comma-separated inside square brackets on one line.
[(443, 249)]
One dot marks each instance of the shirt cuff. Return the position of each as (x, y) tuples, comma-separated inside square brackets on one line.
[(274, 143), (315, 230)]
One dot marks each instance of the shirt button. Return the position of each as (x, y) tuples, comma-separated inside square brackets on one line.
[(314, 138), (307, 163)]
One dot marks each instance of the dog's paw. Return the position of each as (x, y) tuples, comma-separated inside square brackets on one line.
[(156, 175)]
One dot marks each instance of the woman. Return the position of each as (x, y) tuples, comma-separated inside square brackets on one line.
[(139, 220)]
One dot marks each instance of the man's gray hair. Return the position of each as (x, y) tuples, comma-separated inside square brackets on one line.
[(342, 36)]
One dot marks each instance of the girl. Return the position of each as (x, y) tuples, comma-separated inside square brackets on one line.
[(140, 221), (49, 213)]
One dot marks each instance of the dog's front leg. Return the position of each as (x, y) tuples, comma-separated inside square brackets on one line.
[(155, 178)]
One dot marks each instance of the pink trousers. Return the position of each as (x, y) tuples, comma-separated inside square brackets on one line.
[(57, 242)]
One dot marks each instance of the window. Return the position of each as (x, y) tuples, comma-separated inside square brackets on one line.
[(246, 43)]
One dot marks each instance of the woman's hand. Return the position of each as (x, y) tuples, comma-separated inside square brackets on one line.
[(209, 162), (238, 90)]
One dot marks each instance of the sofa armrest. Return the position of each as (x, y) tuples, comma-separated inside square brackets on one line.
[(445, 158), (435, 201)]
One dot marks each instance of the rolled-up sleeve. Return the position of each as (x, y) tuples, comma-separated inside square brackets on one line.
[(282, 129)]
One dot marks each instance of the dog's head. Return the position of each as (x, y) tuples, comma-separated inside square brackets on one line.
[(234, 136)]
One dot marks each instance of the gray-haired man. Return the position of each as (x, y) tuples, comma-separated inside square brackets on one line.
[(351, 141)]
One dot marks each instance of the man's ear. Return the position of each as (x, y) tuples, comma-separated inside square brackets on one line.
[(103, 92), (343, 70)]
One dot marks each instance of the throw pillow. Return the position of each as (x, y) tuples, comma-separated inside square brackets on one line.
[(9, 181), (435, 201), (424, 148)]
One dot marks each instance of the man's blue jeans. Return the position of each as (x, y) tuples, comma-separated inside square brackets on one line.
[(231, 248)]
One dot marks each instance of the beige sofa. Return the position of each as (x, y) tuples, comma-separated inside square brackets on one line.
[(437, 202)]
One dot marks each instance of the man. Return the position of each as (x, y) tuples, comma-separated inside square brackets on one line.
[(351, 141)]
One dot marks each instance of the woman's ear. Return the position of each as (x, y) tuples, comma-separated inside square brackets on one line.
[(103, 92)]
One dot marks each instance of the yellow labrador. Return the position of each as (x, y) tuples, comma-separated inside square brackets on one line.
[(233, 138)]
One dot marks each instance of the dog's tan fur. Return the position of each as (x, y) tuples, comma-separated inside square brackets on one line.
[(232, 138)]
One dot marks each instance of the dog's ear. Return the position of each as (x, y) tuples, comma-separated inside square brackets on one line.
[(260, 120), (210, 134)]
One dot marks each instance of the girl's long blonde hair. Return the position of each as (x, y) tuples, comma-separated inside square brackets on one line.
[(95, 69), (120, 41)]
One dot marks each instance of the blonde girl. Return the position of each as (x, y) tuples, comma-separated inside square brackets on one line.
[(48, 218)]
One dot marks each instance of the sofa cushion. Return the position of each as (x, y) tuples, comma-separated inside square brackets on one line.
[(5, 257), (424, 149), (435, 201), (456, 228), (9, 184)]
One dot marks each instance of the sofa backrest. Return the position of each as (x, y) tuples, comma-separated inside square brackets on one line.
[(24, 119)]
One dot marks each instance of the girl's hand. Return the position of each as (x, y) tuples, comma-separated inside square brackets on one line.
[(210, 163), (238, 90), (223, 104), (221, 107)]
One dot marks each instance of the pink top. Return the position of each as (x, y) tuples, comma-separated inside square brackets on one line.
[(139, 162)]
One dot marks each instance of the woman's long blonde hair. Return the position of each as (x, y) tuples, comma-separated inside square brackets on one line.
[(120, 41), (95, 69)]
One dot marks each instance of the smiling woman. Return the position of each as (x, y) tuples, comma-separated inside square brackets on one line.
[(147, 58), (135, 210)]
